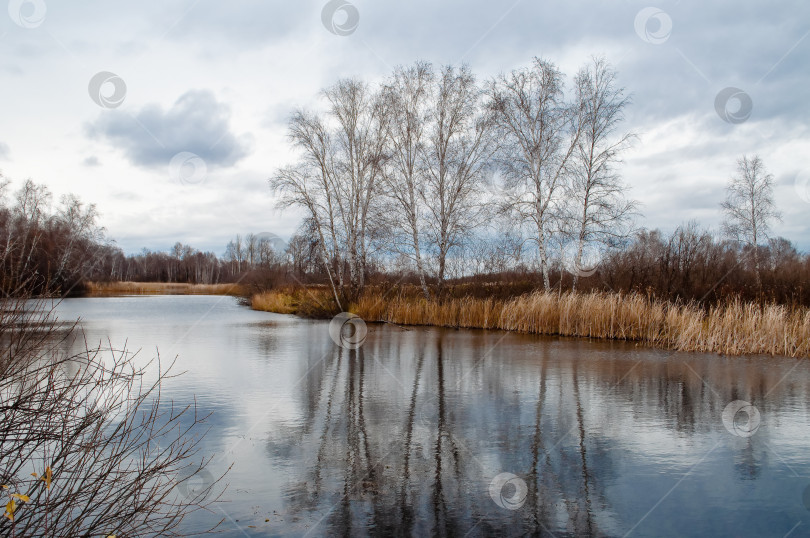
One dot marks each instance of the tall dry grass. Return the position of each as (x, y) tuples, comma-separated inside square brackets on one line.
[(161, 288), (734, 329), (310, 302)]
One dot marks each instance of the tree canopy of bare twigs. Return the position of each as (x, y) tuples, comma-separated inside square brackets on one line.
[(335, 181), (598, 210), (749, 207), (539, 131)]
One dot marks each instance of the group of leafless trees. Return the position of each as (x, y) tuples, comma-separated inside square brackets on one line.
[(691, 263), (53, 249), (42, 249), (418, 166), (436, 179), (434, 176)]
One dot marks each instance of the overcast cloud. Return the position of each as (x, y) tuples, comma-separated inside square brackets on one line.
[(196, 123), (216, 81)]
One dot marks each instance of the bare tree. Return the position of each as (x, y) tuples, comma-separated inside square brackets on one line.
[(30, 212), (235, 252), (79, 221), (539, 131), (251, 249), (335, 181), (749, 207), (309, 184), (459, 150), (597, 208), (360, 137), (408, 98)]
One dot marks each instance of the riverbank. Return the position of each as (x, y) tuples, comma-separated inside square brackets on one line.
[(735, 328), (106, 289)]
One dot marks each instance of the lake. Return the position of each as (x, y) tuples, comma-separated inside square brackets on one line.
[(426, 431)]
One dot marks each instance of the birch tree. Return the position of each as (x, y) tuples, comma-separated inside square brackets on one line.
[(308, 184), (458, 153), (408, 98), (539, 131), (749, 207), (335, 180), (598, 209)]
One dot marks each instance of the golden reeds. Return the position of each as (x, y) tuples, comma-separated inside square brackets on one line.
[(311, 302), (735, 328), (279, 303)]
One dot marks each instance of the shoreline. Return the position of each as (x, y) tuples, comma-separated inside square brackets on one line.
[(108, 289), (735, 328)]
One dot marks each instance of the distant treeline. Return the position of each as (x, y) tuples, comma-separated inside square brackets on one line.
[(46, 251), (54, 249), (689, 264)]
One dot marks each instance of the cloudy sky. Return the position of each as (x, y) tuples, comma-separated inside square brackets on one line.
[(171, 115)]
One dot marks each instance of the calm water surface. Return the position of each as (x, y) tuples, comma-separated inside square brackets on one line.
[(411, 433)]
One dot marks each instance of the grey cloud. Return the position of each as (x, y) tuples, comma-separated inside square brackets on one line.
[(91, 161), (722, 44), (196, 123), (5, 151), (727, 42), (246, 22)]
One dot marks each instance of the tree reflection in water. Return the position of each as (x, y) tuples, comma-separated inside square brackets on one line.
[(404, 435)]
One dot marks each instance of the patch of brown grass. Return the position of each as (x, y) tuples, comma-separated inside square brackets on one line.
[(101, 289), (311, 302)]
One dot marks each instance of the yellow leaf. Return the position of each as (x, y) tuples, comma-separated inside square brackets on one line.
[(23, 498), (10, 507), (5, 486), (35, 475), (47, 477)]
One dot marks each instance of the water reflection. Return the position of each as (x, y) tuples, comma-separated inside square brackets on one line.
[(413, 427), (405, 435)]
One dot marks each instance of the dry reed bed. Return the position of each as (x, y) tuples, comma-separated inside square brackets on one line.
[(162, 288), (279, 303), (734, 329)]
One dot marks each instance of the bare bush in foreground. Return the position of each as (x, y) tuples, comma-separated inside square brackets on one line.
[(87, 445)]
